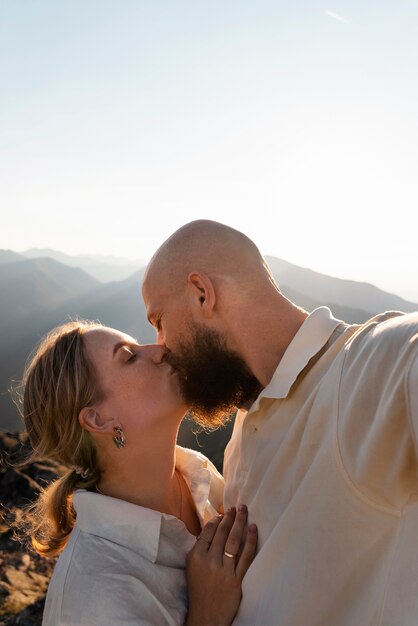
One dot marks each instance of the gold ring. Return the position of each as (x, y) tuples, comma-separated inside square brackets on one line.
[(231, 556)]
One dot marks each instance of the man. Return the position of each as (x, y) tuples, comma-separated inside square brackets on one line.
[(324, 448)]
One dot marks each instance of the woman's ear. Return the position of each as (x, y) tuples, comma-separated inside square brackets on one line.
[(202, 292), (90, 419)]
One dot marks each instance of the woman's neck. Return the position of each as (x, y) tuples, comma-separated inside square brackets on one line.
[(148, 477)]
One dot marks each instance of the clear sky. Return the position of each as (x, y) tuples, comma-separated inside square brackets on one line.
[(294, 121)]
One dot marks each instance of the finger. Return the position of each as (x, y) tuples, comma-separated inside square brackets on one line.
[(236, 534), (248, 552), (204, 540), (222, 532)]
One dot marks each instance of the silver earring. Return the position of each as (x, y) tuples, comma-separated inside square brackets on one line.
[(119, 438)]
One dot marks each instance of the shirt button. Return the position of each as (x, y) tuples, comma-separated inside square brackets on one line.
[(253, 429)]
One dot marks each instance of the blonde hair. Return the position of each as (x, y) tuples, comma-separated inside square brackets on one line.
[(59, 381)]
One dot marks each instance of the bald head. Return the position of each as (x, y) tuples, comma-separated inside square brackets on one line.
[(209, 247)]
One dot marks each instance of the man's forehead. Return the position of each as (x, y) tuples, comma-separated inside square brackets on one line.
[(156, 298), (154, 290)]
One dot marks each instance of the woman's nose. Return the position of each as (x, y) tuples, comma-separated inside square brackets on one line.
[(155, 352)]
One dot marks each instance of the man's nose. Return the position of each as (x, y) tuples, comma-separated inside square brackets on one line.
[(160, 338)]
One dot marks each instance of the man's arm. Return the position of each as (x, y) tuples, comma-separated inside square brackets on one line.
[(412, 396)]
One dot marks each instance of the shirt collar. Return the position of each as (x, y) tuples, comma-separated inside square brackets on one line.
[(118, 521), (310, 338), (194, 469), (136, 527)]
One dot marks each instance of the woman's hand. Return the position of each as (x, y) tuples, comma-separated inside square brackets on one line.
[(216, 566)]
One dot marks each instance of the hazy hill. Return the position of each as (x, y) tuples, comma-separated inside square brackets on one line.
[(8, 256), (31, 286), (324, 288), (102, 267), (346, 313)]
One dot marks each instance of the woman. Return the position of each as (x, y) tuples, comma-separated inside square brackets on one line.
[(128, 510)]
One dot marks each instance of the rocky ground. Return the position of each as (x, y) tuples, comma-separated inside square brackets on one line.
[(24, 575)]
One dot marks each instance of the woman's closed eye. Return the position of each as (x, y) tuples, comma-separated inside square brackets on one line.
[(130, 353)]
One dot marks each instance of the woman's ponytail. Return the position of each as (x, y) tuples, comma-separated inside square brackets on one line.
[(58, 382)]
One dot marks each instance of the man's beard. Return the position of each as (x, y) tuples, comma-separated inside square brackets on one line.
[(213, 379)]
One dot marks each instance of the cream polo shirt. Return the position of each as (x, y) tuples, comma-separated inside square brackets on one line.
[(326, 460), (125, 564)]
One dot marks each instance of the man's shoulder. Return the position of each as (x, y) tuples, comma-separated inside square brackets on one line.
[(391, 332), (388, 324)]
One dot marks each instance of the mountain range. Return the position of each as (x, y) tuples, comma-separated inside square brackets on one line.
[(38, 292), (102, 267)]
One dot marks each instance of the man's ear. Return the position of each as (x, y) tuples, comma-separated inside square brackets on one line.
[(90, 419), (202, 292)]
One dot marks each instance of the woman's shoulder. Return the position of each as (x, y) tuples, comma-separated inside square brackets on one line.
[(117, 523)]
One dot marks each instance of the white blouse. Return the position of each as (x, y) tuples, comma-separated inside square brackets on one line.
[(125, 564)]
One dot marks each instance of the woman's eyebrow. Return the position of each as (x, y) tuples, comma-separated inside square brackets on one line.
[(122, 344), (118, 345)]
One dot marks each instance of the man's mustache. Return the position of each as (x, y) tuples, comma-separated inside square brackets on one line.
[(173, 361)]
